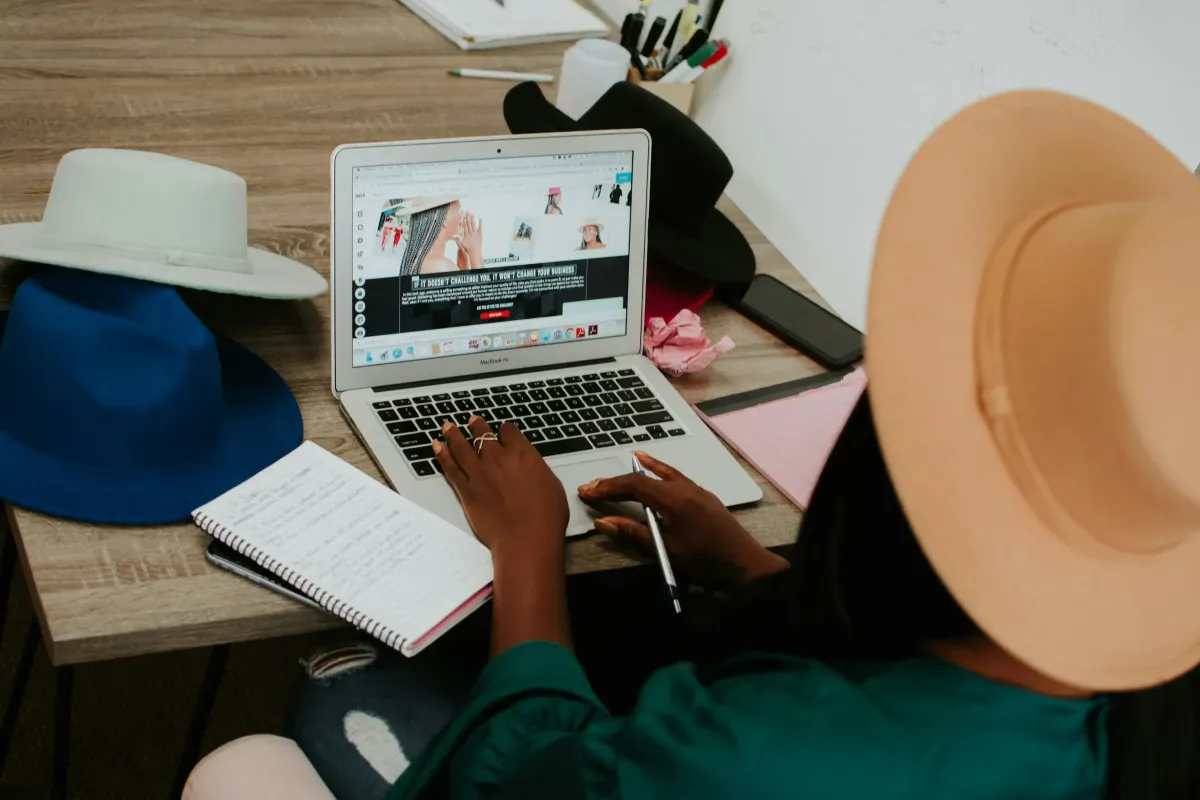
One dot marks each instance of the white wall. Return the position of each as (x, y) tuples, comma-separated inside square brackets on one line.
[(824, 101)]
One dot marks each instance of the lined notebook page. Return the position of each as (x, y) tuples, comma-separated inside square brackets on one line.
[(381, 555), (486, 19)]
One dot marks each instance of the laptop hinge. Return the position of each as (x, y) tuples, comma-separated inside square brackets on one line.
[(464, 378)]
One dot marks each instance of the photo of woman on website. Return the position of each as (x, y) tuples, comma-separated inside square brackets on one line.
[(433, 222), (591, 230), (554, 201)]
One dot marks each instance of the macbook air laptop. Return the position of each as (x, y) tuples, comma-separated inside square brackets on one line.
[(505, 277)]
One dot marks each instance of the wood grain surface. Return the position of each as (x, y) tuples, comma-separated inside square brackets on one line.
[(266, 89)]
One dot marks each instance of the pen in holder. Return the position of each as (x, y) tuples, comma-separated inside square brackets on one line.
[(672, 75)]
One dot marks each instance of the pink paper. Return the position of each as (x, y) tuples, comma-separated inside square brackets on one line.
[(681, 345), (789, 440)]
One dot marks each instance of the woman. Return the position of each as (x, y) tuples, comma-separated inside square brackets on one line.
[(433, 224), (554, 201), (994, 590), (591, 231)]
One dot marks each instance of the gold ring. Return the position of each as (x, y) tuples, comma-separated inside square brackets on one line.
[(479, 440)]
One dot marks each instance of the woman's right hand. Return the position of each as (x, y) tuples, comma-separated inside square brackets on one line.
[(704, 540)]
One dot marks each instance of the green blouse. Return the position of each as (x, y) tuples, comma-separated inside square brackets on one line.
[(762, 726)]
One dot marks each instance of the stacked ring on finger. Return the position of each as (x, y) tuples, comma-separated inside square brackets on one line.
[(479, 440)]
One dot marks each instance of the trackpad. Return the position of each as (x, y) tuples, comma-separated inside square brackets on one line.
[(576, 475)]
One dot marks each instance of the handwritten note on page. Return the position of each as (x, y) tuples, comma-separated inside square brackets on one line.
[(387, 560)]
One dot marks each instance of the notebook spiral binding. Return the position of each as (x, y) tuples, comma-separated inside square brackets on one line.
[(325, 599)]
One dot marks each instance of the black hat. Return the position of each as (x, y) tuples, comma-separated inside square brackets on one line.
[(688, 174)]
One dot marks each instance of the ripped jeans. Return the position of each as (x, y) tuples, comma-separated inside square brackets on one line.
[(366, 712)]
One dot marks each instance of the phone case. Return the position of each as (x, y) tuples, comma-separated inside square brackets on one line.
[(821, 357)]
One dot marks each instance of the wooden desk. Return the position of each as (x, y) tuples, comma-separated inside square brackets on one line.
[(266, 90)]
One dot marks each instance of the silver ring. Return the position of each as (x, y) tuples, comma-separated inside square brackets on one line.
[(479, 440)]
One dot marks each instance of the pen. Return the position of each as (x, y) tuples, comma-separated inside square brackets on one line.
[(500, 75), (638, 64), (669, 41), (687, 22), (660, 546), (681, 72), (697, 40), (656, 29)]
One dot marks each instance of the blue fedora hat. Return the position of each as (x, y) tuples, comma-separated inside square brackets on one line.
[(117, 405)]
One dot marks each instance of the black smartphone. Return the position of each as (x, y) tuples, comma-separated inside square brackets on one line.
[(800, 322), (225, 557)]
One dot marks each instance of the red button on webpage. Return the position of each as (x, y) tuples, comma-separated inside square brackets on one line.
[(494, 315)]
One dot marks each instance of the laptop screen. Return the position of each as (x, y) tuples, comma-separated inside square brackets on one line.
[(471, 256)]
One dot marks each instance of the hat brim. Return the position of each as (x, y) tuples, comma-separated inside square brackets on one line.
[(1098, 618), (262, 424), (271, 276)]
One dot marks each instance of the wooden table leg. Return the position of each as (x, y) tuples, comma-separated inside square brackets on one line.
[(33, 637), (8, 562), (201, 713)]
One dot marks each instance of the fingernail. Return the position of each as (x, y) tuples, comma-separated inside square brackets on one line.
[(446, 426), (604, 526), (473, 418), (437, 448), (640, 454), (587, 487)]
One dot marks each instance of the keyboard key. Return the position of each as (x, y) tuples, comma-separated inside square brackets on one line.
[(574, 379), (484, 402), (570, 416), (575, 444), (553, 433), (592, 388), (574, 402), (536, 384), (624, 409), (610, 398), (516, 387), (556, 391), (535, 436), (609, 386), (641, 437), (441, 398), (656, 431), (575, 389), (555, 382), (627, 395), (534, 422), (422, 399), (502, 399), (677, 431), (412, 440), (539, 408), (423, 453), (403, 401), (601, 440), (610, 374), (606, 425), (647, 405), (552, 419), (402, 427), (500, 390), (426, 424), (645, 394), (382, 404), (408, 412), (558, 405), (654, 418), (589, 427), (438, 466), (486, 415), (464, 405), (570, 430), (621, 437), (588, 413), (625, 423), (539, 394), (446, 407), (626, 372), (479, 392), (606, 411), (630, 383), (387, 415), (502, 413), (461, 393), (591, 377), (423, 468), (462, 417), (592, 400), (520, 411), (426, 410), (520, 397)]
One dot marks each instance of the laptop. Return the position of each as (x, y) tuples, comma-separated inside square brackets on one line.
[(505, 277)]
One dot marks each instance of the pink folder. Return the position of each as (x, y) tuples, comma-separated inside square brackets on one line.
[(789, 439)]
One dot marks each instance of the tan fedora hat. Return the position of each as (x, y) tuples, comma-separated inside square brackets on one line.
[(1032, 334)]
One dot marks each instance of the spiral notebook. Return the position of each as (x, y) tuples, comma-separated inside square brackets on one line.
[(361, 551), (479, 24)]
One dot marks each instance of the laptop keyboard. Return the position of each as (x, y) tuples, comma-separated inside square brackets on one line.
[(559, 415)]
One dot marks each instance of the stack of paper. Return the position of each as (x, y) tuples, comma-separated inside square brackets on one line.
[(478, 24)]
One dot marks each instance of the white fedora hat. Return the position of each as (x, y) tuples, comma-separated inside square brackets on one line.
[(157, 218)]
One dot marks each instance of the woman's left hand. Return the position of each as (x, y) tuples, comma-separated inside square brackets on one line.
[(470, 238), (511, 497)]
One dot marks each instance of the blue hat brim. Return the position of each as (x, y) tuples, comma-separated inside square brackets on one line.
[(262, 424)]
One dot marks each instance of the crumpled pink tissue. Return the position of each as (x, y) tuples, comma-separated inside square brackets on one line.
[(681, 345)]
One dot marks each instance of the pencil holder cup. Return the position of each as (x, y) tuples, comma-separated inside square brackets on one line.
[(679, 95)]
